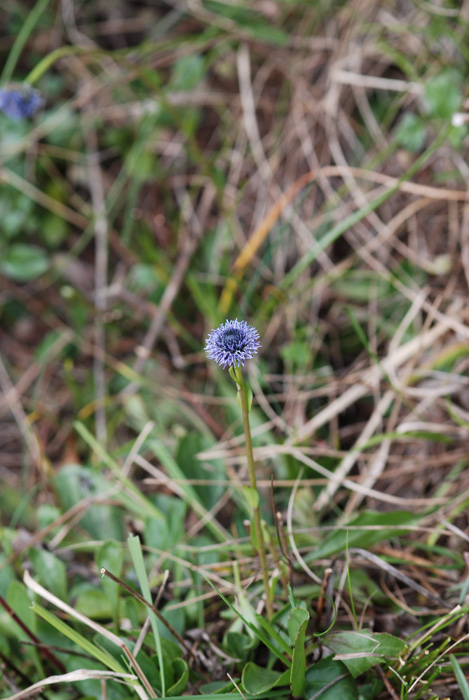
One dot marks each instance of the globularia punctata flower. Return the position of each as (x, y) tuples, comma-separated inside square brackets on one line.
[(232, 343), (19, 101)]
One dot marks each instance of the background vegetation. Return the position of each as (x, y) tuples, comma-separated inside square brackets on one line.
[(298, 165)]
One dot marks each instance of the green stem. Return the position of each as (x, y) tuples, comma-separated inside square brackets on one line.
[(253, 483), (44, 65)]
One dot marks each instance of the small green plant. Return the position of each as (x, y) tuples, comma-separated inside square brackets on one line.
[(230, 345)]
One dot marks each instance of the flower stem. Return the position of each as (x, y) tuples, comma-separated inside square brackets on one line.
[(253, 484), (44, 65)]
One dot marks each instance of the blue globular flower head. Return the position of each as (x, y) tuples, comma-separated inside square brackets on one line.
[(20, 101), (232, 343)]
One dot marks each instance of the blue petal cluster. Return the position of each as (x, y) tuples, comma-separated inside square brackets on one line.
[(232, 343), (20, 101)]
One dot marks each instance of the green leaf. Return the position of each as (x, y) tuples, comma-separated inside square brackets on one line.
[(181, 673), (143, 277), (74, 483), (296, 619), (268, 33), (234, 11), (359, 651), (136, 553), (239, 645), (176, 618), (257, 679), (87, 646), (52, 345), (51, 572), (19, 601), (456, 135), (382, 524), (149, 666), (460, 677), (251, 496), (16, 209), (298, 353), (298, 669), (249, 21), (188, 493), (187, 72), (443, 93), (166, 532), (65, 128), (129, 494), (110, 556), (248, 395), (95, 604), (255, 630), (193, 468), (411, 133), (272, 632), (215, 688), (233, 375), (330, 680), (54, 230), (23, 263)]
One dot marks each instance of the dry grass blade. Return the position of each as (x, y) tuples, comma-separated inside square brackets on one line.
[(371, 378), (19, 414), (393, 571), (291, 539), (348, 462), (261, 232), (83, 674), (61, 210), (358, 488)]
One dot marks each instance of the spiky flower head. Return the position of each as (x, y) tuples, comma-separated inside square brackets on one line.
[(232, 343), (18, 101)]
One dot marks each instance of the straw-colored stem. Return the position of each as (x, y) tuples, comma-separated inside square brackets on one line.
[(253, 484)]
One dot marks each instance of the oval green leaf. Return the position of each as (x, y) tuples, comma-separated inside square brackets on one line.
[(23, 263)]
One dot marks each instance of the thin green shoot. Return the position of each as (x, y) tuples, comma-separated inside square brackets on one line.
[(135, 549), (20, 41)]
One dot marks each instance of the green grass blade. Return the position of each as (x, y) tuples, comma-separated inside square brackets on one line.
[(137, 558), (460, 677), (21, 39), (189, 494), (87, 646), (137, 501), (44, 65), (274, 634), (255, 630)]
